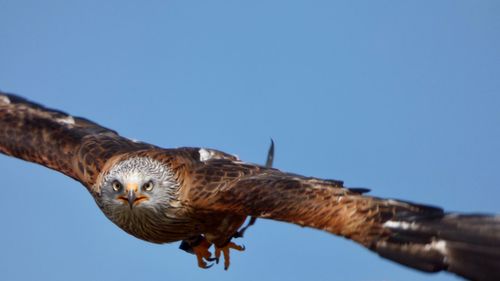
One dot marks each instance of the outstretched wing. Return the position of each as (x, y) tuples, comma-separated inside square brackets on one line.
[(418, 236), (71, 145), (251, 190)]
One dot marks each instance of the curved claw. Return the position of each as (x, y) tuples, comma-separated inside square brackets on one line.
[(225, 251), (204, 265), (203, 254)]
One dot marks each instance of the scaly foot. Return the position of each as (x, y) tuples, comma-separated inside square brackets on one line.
[(225, 251), (202, 253)]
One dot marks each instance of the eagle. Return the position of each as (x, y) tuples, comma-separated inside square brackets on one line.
[(203, 196)]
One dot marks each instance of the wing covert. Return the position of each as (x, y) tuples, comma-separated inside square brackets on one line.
[(74, 146), (252, 190)]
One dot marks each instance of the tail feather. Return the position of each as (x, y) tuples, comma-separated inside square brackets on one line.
[(432, 241)]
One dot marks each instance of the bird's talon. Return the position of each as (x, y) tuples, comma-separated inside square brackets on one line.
[(202, 253), (236, 247), (225, 252), (217, 254)]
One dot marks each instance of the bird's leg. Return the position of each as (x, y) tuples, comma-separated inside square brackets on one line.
[(225, 251), (241, 232), (198, 246)]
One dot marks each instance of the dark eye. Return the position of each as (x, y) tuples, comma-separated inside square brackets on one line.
[(148, 186), (117, 186)]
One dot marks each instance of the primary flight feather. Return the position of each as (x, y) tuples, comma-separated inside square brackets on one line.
[(202, 196)]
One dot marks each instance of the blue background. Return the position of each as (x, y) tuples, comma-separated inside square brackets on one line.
[(402, 97)]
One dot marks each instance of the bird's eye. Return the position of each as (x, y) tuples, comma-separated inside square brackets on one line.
[(148, 186), (117, 186)]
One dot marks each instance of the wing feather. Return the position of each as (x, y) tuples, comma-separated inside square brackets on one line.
[(419, 236), (71, 145), (252, 190)]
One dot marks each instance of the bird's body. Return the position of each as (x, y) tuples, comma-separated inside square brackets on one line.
[(166, 195)]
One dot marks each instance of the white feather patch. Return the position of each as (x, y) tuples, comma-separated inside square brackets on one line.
[(400, 225), (4, 100), (205, 154), (440, 246), (134, 140), (68, 120), (437, 245)]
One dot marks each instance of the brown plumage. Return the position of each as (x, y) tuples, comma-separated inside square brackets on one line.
[(165, 195)]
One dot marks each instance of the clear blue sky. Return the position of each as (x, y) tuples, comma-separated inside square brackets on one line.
[(402, 97)]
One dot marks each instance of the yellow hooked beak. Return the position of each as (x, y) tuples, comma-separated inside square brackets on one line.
[(132, 189)]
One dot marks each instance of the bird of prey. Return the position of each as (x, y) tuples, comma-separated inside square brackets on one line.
[(202, 196)]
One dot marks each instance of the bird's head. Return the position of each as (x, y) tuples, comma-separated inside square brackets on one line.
[(135, 185)]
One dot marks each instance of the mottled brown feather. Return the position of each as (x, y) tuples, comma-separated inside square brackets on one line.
[(238, 188), (74, 146)]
